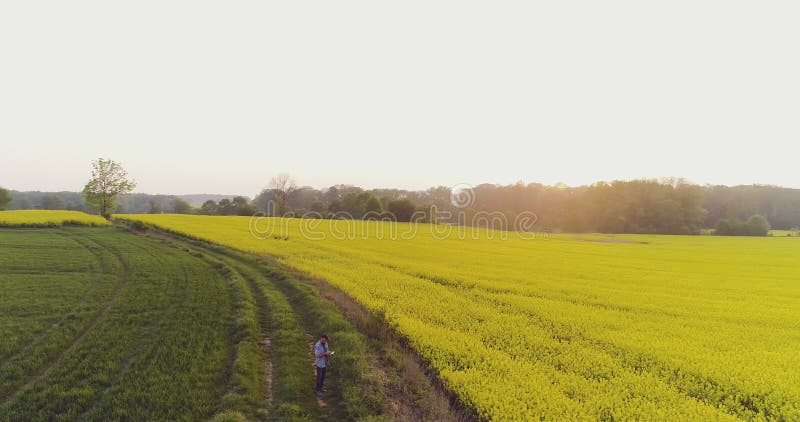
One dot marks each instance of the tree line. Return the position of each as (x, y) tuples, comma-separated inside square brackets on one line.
[(663, 206)]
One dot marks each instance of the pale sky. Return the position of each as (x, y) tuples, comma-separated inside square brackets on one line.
[(217, 97)]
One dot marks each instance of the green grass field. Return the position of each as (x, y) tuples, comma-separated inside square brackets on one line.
[(103, 324), (96, 322)]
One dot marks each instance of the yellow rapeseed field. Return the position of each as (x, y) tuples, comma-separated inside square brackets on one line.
[(40, 218), (566, 328)]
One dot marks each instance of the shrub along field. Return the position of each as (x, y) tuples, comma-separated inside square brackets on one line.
[(46, 218), (597, 327)]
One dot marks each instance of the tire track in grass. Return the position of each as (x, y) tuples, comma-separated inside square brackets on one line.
[(314, 318), (264, 338), (292, 392), (42, 371), (250, 327), (291, 346), (264, 341), (288, 400), (252, 307), (290, 365)]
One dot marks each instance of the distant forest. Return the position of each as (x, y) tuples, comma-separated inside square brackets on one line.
[(665, 206), (135, 203)]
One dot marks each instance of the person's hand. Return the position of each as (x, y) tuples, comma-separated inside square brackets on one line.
[(328, 353)]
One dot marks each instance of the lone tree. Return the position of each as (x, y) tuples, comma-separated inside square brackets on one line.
[(108, 181), (283, 188), (5, 199)]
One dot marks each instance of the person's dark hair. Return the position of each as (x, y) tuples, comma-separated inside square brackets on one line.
[(324, 335)]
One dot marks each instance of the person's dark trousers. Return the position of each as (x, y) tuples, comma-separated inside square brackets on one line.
[(320, 378)]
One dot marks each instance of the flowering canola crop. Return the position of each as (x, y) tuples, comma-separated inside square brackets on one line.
[(574, 327), (40, 218)]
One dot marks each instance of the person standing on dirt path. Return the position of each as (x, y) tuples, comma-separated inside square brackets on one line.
[(322, 355)]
